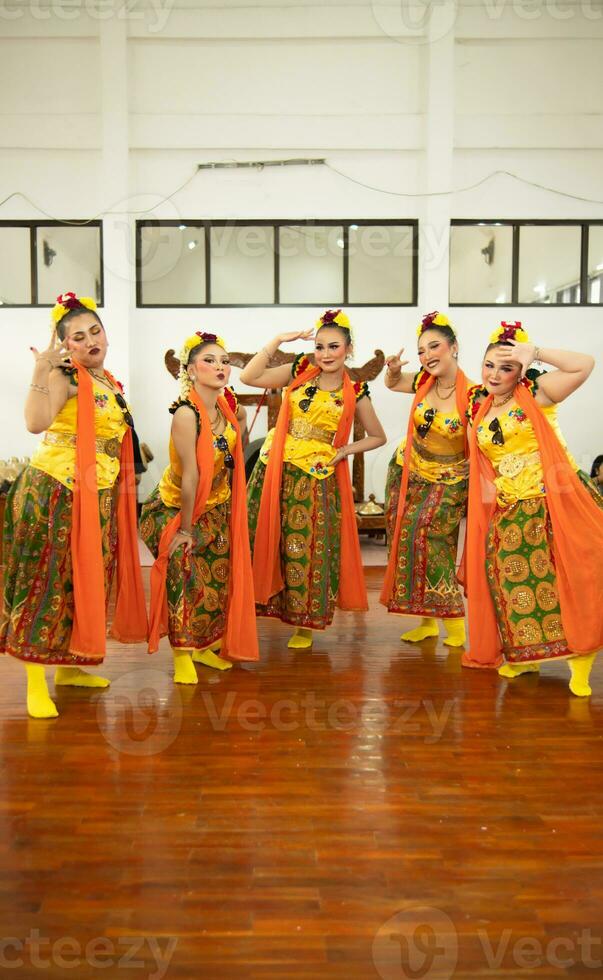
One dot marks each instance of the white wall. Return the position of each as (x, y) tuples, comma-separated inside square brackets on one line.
[(116, 113)]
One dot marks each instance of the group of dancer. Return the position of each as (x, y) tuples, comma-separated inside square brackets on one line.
[(286, 546)]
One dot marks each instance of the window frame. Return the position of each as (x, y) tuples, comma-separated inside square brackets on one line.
[(33, 225), (516, 223), (208, 224)]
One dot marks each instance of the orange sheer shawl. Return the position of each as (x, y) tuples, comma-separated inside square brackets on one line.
[(577, 524), (267, 571), (130, 624), (240, 641), (461, 405)]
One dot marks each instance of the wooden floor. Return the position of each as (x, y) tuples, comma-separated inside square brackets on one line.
[(368, 809)]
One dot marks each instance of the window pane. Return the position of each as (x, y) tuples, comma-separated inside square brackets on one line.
[(15, 266), (380, 264), (311, 264), (481, 260), (68, 259), (595, 264), (242, 264), (172, 264), (549, 264)]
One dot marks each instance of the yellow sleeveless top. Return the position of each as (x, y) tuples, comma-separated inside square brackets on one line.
[(171, 481), (517, 462), (313, 421), (55, 455), (439, 456)]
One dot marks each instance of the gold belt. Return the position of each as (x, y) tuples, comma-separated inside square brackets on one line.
[(513, 463), (436, 457), (110, 447), (300, 429)]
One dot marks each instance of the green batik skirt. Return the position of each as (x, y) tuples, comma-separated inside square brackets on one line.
[(37, 608), (425, 581), (310, 546), (197, 581)]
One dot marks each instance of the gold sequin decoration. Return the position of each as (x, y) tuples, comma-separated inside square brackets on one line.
[(295, 545), (202, 624), (515, 568), (298, 517), (546, 596), (287, 485), (106, 504), (522, 599), (526, 632), (511, 537), (220, 569), (220, 544), (294, 603), (295, 574), (302, 488), (533, 530), (539, 563), (553, 627), (211, 600), (205, 572), (531, 506)]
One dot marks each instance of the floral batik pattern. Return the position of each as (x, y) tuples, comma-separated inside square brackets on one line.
[(197, 582), (310, 546), (425, 580), (520, 567), (37, 610)]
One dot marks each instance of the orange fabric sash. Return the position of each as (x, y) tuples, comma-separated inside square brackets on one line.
[(461, 405), (577, 525), (267, 571), (240, 641), (130, 625)]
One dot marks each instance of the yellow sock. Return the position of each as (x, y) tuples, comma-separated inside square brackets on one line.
[(580, 668), (455, 632), (39, 702), (428, 627), (184, 668), (74, 677), (514, 670), (301, 639), (209, 657)]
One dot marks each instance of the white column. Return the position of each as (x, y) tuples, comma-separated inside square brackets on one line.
[(438, 166), (118, 229)]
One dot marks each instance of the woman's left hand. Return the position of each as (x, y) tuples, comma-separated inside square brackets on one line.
[(520, 353), (342, 453)]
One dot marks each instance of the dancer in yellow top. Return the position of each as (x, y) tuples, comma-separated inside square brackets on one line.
[(535, 522), (426, 490)]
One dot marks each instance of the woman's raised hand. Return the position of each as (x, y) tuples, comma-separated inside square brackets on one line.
[(54, 356), (287, 338), (395, 363)]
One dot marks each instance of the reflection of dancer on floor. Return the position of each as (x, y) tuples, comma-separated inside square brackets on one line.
[(195, 523), (535, 522), (426, 492), (301, 508), (70, 513)]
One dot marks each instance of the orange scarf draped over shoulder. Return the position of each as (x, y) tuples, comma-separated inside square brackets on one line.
[(577, 525), (267, 570), (240, 641), (461, 405), (130, 624)]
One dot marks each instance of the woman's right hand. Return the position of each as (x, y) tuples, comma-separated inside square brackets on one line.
[(180, 540), (395, 363), (55, 355), (288, 338)]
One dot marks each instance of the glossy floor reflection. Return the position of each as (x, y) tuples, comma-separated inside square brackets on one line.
[(368, 809)]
